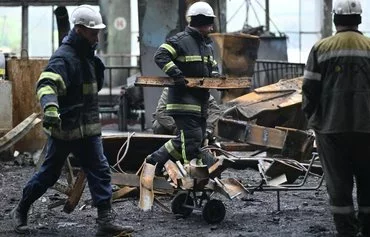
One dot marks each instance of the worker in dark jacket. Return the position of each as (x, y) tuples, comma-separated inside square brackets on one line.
[(68, 94), (336, 101), (165, 124), (187, 54)]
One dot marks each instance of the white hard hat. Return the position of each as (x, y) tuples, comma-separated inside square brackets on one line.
[(85, 15), (347, 7), (200, 8)]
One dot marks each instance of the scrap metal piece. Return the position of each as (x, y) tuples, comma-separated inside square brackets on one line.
[(217, 168), (291, 143), (197, 171), (283, 167), (146, 187), (278, 104), (14, 135), (173, 172), (230, 187), (204, 82)]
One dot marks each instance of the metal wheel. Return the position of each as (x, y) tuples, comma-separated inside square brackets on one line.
[(214, 211), (178, 202)]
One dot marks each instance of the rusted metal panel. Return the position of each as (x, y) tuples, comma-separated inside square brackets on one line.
[(146, 187), (295, 144), (6, 107), (237, 53), (230, 187), (205, 82), (24, 74), (277, 104)]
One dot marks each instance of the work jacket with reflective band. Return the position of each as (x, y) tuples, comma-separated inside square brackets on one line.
[(187, 54), (336, 86), (71, 82)]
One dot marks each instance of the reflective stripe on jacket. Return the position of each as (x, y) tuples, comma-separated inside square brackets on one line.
[(187, 54)]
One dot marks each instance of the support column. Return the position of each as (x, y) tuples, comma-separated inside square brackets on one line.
[(117, 16), (327, 20), (24, 28)]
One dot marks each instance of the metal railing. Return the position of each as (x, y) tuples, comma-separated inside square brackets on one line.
[(269, 71)]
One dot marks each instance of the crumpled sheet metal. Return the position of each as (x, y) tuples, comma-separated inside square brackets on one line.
[(272, 97)]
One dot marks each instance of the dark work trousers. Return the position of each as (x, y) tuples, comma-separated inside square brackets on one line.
[(345, 157), (185, 146), (93, 162)]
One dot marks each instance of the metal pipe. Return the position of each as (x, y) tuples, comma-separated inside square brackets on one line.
[(61, 15), (267, 15), (25, 28)]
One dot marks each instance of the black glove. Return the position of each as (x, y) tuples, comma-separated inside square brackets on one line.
[(51, 118), (180, 81)]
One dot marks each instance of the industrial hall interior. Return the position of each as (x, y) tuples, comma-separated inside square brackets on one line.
[(222, 118)]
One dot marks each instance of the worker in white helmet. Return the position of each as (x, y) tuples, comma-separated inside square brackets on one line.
[(336, 101), (187, 54), (68, 93)]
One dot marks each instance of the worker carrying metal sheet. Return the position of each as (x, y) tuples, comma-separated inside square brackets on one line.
[(336, 101), (187, 54), (68, 93)]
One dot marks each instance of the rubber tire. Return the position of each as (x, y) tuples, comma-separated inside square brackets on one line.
[(214, 211), (177, 204)]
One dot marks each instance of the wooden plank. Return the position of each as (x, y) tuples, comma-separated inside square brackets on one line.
[(205, 82), (122, 192), (24, 74), (76, 192), (17, 133)]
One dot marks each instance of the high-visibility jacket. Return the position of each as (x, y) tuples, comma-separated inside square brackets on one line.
[(187, 54), (336, 86), (71, 81)]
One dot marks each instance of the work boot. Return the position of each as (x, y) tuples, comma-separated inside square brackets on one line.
[(346, 225), (364, 224), (19, 219), (107, 226)]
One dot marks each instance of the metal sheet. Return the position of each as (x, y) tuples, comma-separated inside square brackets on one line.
[(277, 104), (237, 53), (291, 143)]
